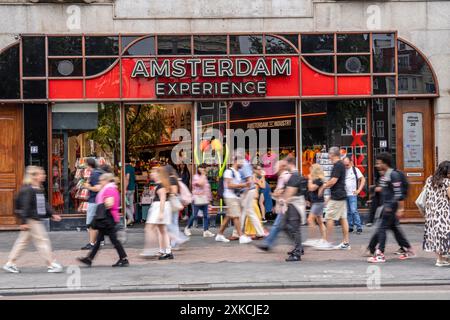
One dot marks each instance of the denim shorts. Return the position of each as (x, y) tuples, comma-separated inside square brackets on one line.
[(90, 214), (317, 208)]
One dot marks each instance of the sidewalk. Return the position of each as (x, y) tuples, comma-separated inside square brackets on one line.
[(204, 264)]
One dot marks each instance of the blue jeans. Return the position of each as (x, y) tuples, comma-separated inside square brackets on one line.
[(274, 231), (352, 213), (196, 209)]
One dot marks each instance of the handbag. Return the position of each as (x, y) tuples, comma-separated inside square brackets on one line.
[(200, 200), (175, 203), (421, 201), (103, 218)]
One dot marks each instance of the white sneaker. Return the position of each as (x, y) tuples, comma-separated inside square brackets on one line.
[(187, 232), (343, 246), (150, 253), (55, 268), (221, 238), (442, 263), (324, 246), (310, 243), (208, 234), (244, 239), (11, 268)]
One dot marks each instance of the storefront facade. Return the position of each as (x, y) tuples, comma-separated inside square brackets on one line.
[(66, 97)]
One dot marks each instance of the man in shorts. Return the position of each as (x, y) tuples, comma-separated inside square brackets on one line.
[(336, 209), (233, 186)]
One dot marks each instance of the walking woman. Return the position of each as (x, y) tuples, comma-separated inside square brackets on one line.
[(315, 187), (437, 214), (264, 193), (160, 213), (108, 203), (31, 207), (201, 190)]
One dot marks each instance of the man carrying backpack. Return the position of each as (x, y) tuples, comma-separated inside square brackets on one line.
[(393, 189)]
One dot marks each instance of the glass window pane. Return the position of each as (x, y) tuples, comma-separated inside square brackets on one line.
[(210, 45), (34, 89), (144, 47), (276, 45), (174, 45), (96, 66), (322, 63), (292, 38), (384, 85), (353, 42), (35, 136), (317, 43), (65, 67), (415, 76), (64, 46), (383, 52), (82, 131), (353, 64), (33, 56), (102, 46), (246, 44), (9, 73)]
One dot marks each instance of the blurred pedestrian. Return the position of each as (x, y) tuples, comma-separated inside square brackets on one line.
[(201, 191), (437, 214), (106, 219), (130, 187), (185, 176), (31, 208)]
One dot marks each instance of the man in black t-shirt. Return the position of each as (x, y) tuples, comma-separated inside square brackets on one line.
[(337, 206)]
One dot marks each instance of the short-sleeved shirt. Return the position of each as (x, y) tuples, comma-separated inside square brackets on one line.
[(314, 195), (298, 181), (132, 182), (94, 180), (235, 178), (351, 180), (247, 171), (338, 190)]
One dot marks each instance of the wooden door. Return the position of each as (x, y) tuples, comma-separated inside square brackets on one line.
[(11, 161), (415, 143)]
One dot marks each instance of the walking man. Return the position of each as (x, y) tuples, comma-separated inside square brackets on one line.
[(354, 184), (233, 186), (130, 186), (390, 188), (336, 209)]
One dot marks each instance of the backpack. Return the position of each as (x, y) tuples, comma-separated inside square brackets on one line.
[(185, 195), (221, 186), (405, 184)]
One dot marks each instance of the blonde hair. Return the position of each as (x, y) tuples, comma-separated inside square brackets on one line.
[(30, 173), (317, 172)]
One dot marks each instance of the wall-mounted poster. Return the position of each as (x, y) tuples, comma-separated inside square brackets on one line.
[(412, 140)]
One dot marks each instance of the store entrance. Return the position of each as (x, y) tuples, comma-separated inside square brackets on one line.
[(153, 134)]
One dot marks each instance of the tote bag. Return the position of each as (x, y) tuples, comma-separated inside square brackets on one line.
[(421, 201)]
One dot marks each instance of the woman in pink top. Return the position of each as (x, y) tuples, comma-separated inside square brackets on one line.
[(109, 196), (201, 191)]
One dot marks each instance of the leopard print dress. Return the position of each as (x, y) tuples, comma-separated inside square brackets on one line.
[(437, 218)]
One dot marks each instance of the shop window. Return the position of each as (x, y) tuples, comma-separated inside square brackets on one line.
[(101, 46), (64, 46), (65, 67), (126, 40), (412, 65), (383, 46), (322, 125), (292, 38), (414, 83), (33, 56), (353, 42), (96, 66), (210, 45), (321, 63), (246, 44), (379, 106), (144, 47), (380, 128), (384, 85), (353, 64), (174, 45), (82, 131), (317, 43), (34, 89), (9, 73), (276, 45), (35, 136)]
